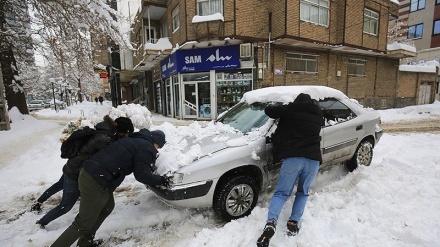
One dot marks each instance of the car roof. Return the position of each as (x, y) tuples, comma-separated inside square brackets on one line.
[(286, 94)]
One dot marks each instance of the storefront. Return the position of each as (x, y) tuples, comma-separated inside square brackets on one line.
[(202, 83)]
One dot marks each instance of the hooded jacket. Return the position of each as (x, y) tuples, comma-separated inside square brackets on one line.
[(105, 133), (133, 154), (297, 134)]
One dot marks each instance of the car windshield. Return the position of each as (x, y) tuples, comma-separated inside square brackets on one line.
[(36, 102), (245, 117)]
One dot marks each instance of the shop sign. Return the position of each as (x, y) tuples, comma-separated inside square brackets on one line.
[(168, 66), (214, 58)]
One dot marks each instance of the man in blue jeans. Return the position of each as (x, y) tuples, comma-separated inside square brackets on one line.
[(296, 142)]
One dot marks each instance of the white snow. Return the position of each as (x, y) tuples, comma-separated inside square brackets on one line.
[(392, 203), (401, 46), (205, 18)]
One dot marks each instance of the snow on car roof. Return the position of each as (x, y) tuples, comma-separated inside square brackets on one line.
[(286, 94)]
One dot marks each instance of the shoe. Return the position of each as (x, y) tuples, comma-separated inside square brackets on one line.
[(268, 232), (292, 227), (36, 207)]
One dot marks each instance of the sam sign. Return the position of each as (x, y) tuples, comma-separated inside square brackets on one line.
[(213, 58)]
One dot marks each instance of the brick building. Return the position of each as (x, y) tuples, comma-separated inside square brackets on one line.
[(199, 56)]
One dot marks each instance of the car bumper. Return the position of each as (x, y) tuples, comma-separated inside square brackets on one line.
[(184, 192), (378, 134)]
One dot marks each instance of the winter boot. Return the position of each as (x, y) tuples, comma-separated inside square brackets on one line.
[(89, 242), (292, 227), (36, 207), (268, 232)]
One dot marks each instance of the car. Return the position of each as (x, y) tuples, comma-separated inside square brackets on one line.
[(35, 105), (229, 178), (60, 104), (47, 103)]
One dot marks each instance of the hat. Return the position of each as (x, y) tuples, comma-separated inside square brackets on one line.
[(124, 125), (303, 98), (158, 137)]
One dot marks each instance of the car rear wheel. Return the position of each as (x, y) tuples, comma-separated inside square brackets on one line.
[(362, 156), (236, 198)]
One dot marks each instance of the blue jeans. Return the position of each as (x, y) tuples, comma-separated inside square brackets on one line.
[(58, 186), (70, 196), (303, 169)]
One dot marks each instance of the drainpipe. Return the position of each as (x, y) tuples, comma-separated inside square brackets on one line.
[(149, 24), (268, 54)]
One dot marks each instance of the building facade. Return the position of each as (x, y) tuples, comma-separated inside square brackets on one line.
[(200, 56)]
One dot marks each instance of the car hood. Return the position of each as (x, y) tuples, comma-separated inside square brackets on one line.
[(215, 143)]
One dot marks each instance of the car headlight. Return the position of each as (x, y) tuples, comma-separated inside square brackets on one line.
[(177, 178)]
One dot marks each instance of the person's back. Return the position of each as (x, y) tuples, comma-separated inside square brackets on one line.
[(134, 154)]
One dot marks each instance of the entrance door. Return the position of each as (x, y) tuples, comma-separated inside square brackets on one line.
[(190, 100), (424, 93)]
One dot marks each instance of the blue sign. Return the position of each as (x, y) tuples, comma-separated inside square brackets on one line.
[(168, 66), (213, 58)]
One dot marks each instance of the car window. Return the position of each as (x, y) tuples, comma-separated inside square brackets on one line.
[(335, 111), (245, 117), (36, 102)]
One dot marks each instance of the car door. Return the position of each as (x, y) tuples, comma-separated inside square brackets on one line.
[(341, 132)]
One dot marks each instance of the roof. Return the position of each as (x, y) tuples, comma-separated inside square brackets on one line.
[(288, 94)]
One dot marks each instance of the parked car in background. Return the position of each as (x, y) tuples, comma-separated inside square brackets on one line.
[(229, 178), (60, 104), (47, 103), (35, 105)]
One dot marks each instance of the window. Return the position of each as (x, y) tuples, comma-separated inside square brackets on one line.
[(437, 2), (371, 22), (209, 7), (436, 27), (296, 62), (356, 66), (335, 111), (164, 28), (416, 5), (315, 11), (176, 16), (415, 32), (150, 35)]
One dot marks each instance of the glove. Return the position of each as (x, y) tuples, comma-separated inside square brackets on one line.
[(167, 178)]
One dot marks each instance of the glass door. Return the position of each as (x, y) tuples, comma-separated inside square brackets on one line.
[(190, 100)]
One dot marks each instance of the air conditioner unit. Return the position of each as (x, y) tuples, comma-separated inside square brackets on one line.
[(246, 50)]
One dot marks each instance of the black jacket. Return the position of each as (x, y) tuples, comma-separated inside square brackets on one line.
[(297, 134), (134, 153), (105, 133)]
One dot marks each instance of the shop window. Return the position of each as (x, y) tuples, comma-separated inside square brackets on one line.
[(315, 11), (356, 67), (415, 31), (436, 27), (417, 5), (371, 22), (209, 7), (297, 62), (176, 18)]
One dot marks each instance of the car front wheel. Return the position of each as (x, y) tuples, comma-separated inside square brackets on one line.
[(236, 198), (362, 156)]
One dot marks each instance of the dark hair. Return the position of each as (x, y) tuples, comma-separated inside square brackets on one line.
[(124, 125)]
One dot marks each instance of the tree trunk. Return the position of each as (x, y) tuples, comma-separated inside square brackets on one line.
[(13, 97)]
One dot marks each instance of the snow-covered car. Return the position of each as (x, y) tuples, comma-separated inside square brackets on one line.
[(60, 104), (234, 167), (35, 105)]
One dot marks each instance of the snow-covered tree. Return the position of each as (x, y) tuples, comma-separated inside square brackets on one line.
[(62, 27)]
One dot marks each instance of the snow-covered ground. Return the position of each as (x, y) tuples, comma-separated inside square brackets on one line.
[(394, 202)]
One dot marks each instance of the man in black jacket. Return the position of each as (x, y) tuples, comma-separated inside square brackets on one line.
[(106, 132), (102, 174), (297, 143)]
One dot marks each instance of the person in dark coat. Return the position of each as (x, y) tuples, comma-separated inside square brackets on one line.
[(101, 99), (105, 134), (297, 142), (102, 173), (96, 100)]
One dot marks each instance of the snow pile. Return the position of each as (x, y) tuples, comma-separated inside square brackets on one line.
[(139, 115)]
